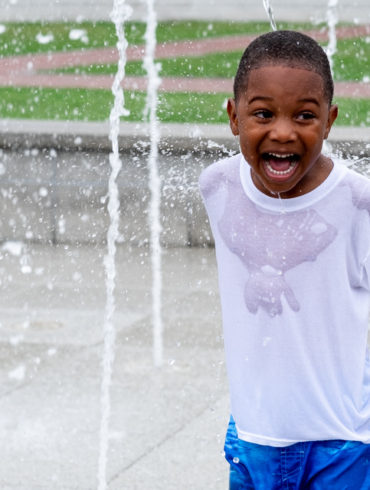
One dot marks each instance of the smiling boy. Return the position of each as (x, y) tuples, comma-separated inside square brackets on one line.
[(292, 235), (285, 158)]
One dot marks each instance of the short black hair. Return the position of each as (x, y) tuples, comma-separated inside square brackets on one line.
[(289, 48)]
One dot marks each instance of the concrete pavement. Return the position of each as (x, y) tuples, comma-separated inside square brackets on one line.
[(239, 10), (168, 423)]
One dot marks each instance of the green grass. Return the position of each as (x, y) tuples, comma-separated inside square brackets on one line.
[(55, 104), (20, 38), (223, 65), (95, 105), (189, 30), (353, 112), (352, 62)]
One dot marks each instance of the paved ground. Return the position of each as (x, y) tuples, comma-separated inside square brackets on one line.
[(30, 70), (167, 423)]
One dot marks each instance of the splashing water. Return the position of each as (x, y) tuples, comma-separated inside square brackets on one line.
[(154, 81), (331, 48), (119, 15), (359, 164), (270, 13), (332, 20)]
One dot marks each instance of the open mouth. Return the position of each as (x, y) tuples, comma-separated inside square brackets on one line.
[(280, 165)]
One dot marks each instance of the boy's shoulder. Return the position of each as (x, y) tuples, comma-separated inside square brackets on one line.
[(218, 174), (360, 188)]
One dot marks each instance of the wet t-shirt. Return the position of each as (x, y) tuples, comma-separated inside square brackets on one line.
[(294, 280)]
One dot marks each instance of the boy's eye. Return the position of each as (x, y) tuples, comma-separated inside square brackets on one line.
[(306, 115), (263, 114)]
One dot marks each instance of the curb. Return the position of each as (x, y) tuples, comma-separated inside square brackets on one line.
[(73, 179), (94, 136)]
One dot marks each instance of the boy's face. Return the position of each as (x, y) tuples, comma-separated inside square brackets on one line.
[(282, 119)]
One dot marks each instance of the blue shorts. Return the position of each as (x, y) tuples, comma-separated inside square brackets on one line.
[(314, 465)]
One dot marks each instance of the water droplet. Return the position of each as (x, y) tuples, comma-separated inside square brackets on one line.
[(18, 373), (16, 339), (77, 276), (44, 38), (236, 460)]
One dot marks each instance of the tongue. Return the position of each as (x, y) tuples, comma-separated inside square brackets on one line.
[(279, 164)]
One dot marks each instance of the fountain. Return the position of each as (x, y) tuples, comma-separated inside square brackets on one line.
[(332, 20), (119, 15), (270, 14), (63, 304), (154, 81)]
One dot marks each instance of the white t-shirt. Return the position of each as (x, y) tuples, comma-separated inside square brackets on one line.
[(294, 280)]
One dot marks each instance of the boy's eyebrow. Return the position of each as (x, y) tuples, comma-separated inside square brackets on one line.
[(259, 97), (263, 97), (310, 99)]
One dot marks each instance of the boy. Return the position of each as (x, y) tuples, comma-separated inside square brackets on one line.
[(292, 235)]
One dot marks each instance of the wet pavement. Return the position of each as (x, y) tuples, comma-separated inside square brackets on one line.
[(167, 424)]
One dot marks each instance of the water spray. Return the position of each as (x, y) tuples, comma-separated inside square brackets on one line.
[(332, 20), (154, 81), (119, 15), (331, 48), (270, 14)]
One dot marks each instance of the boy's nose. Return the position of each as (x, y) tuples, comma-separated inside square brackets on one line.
[(283, 130)]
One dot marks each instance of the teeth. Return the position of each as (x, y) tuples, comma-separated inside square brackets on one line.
[(281, 172), (286, 155)]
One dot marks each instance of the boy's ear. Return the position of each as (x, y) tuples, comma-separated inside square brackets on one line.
[(333, 114), (231, 110)]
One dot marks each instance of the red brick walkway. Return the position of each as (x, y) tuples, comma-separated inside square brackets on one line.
[(27, 71)]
